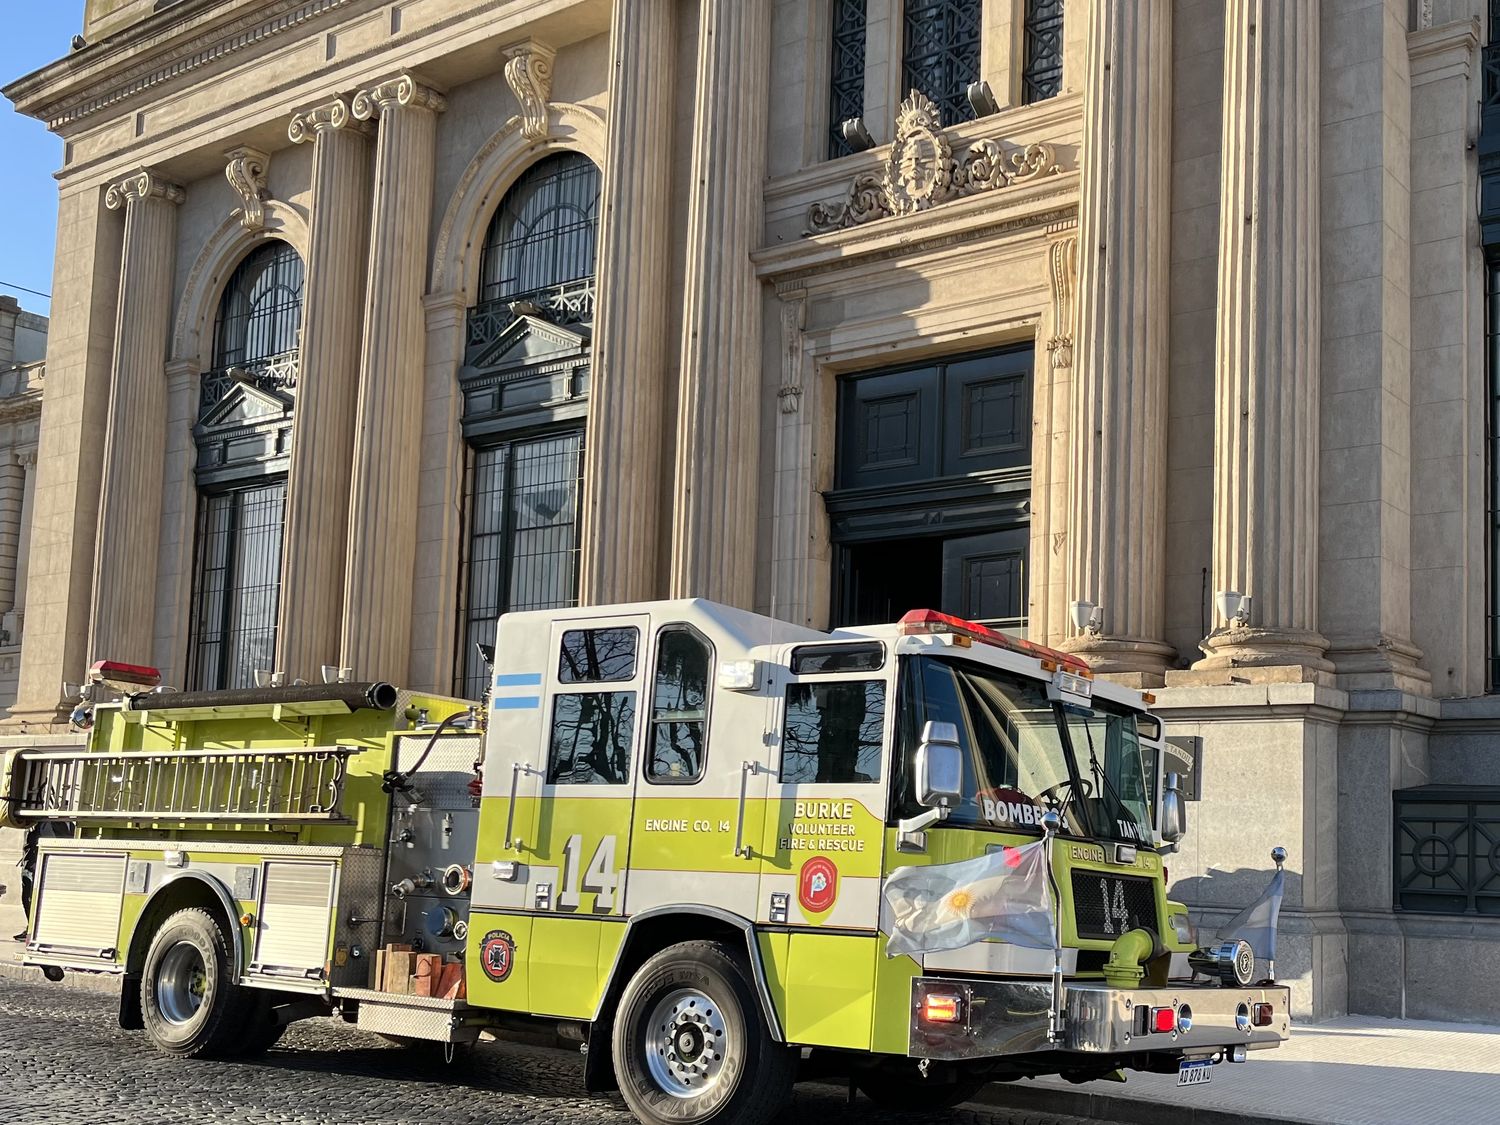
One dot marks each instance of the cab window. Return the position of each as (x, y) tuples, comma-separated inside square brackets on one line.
[(591, 734), (594, 656), (832, 732), (678, 739)]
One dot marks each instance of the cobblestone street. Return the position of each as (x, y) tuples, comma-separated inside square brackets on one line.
[(63, 1061)]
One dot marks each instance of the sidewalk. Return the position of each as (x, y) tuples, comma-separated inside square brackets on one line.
[(1357, 1070)]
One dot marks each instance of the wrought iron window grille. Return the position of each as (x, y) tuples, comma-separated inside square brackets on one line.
[(1041, 73), (941, 53), (846, 82), (1447, 850)]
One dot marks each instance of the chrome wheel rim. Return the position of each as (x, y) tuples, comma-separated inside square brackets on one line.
[(181, 983), (686, 1041)]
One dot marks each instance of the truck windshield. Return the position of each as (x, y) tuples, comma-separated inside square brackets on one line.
[(1024, 755)]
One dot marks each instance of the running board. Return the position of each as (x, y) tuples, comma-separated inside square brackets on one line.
[(412, 1017)]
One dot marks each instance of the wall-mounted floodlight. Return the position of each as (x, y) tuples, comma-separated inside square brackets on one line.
[(1233, 606), (981, 99), (1087, 617), (856, 135)]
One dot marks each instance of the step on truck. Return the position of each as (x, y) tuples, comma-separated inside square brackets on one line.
[(718, 852)]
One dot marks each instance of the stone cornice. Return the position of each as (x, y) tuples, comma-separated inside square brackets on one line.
[(161, 48)]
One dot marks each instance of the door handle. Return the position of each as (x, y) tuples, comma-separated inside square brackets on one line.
[(741, 849), (516, 770)]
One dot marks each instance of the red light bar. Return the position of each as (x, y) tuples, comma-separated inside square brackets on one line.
[(120, 675), (930, 621)]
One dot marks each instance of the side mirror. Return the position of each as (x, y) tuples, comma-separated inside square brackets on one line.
[(1173, 810), (939, 767)]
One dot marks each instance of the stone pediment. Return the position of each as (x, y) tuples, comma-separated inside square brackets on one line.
[(528, 340), (246, 405)]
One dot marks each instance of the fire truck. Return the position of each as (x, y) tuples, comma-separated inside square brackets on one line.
[(669, 835)]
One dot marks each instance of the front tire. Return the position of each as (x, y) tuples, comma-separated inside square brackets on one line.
[(691, 1044), (191, 1003)]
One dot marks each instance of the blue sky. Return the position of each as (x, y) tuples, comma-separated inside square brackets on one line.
[(35, 34)]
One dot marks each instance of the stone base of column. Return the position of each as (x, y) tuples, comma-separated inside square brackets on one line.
[(1132, 661), (1255, 655), (38, 720), (1379, 663)]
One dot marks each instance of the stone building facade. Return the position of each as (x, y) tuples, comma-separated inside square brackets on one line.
[(376, 318), (23, 367)]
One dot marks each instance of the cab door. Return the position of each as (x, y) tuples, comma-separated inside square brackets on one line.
[(591, 729), (824, 837), (700, 792)]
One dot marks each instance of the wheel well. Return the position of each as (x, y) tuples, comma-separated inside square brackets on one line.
[(178, 894), (643, 940)]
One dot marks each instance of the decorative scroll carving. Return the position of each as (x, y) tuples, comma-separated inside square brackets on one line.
[(922, 172), (1064, 270), (528, 72), (403, 90), (307, 125), (142, 185), (246, 172), (793, 320)]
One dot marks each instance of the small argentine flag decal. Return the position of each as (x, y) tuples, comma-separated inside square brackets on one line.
[(516, 691)]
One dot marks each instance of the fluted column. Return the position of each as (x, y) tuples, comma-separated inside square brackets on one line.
[(718, 414), (621, 510), (1265, 530), (12, 495), (317, 506), (376, 634), (1117, 478), (130, 499)]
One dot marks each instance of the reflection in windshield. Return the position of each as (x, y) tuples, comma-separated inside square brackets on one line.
[(1016, 756), (1108, 752)]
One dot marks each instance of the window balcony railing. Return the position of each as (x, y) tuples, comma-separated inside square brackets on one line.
[(572, 302), (272, 373)]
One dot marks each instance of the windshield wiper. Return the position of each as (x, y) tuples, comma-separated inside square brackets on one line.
[(1122, 812)]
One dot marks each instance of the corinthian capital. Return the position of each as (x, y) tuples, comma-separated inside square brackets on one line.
[(403, 90), (528, 71), (142, 185), (324, 118)]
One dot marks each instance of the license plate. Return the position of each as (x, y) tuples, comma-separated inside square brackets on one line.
[(1195, 1072)]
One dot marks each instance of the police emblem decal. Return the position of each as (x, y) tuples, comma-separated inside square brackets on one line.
[(497, 955)]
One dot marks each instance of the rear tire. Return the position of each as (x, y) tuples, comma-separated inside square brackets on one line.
[(911, 1093), (691, 1044), (191, 1003)]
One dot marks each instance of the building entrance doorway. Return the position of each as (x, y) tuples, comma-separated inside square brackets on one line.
[(931, 508)]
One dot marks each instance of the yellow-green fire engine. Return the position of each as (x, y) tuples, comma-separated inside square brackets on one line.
[(666, 834)]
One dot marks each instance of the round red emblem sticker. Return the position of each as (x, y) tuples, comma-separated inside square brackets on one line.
[(497, 955), (818, 885)]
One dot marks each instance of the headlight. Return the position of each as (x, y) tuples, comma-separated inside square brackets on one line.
[(1232, 963)]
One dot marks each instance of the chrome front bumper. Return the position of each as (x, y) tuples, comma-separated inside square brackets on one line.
[(1001, 1018)]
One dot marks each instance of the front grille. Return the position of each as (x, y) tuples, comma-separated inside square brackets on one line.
[(1106, 906)]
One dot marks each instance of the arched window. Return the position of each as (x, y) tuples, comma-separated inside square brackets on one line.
[(543, 234), (525, 384), (261, 311), (243, 436)]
